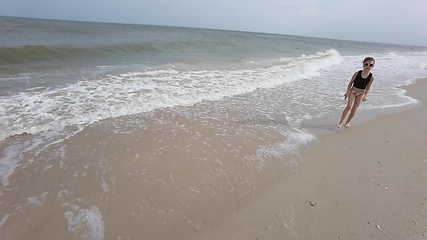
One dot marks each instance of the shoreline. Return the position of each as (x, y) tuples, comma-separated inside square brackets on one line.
[(365, 182), (173, 179)]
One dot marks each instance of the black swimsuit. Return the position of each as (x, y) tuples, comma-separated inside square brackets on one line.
[(360, 82)]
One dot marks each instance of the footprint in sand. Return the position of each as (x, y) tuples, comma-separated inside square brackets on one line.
[(289, 222)]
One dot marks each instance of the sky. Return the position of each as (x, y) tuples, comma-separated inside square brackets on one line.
[(383, 21)]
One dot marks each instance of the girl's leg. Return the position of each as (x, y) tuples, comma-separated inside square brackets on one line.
[(356, 104), (350, 101)]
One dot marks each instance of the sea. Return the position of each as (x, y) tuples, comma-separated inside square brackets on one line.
[(60, 80)]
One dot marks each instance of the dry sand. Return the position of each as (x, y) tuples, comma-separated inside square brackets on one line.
[(365, 182)]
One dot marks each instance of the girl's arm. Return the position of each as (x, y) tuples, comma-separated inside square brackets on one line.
[(350, 85)]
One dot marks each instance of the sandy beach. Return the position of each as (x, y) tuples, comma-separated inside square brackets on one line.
[(364, 182), (175, 180)]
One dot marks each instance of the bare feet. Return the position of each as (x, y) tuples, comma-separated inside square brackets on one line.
[(347, 125), (339, 125)]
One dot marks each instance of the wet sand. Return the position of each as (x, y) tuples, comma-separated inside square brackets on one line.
[(168, 178), (186, 178)]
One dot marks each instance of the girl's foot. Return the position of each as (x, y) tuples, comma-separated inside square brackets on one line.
[(339, 125), (347, 125)]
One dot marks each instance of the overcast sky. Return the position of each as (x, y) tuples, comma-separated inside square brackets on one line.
[(384, 21)]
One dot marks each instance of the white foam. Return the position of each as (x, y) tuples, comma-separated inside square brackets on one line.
[(63, 193), (88, 101), (8, 163), (295, 139), (4, 219), (104, 186), (87, 223), (10, 156), (36, 200)]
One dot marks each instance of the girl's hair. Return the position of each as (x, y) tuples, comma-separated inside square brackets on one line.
[(368, 59)]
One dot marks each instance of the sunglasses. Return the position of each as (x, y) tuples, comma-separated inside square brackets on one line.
[(370, 65)]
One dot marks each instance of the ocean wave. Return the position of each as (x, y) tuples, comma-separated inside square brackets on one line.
[(137, 92), (142, 50), (25, 54), (37, 53)]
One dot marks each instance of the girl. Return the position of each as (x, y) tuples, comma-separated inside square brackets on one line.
[(357, 90)]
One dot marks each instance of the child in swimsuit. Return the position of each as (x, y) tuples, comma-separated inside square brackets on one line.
[(357, 90)]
